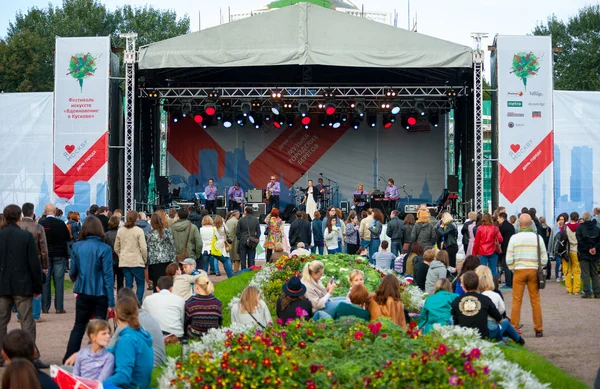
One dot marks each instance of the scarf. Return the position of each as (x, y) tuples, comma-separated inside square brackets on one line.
[(526, 229)]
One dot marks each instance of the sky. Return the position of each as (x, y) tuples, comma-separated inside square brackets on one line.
[(452, 20)]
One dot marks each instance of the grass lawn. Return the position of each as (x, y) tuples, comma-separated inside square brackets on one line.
[(545, 371)]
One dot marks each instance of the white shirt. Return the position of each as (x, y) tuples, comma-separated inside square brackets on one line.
[(496, 299), (300, 252), (168, 310), (207, 233), (261, 314)]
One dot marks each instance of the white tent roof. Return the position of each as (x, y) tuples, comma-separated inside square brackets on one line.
[(305, 34)]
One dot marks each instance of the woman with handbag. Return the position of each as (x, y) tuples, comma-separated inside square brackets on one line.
[(487, 243), (251, 309), (207, 232), (161, 249), (222, 246)]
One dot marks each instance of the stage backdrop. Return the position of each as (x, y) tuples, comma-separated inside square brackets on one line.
[(26, 149), (81, 121), (346, 156), (577, 139), (524, 113)]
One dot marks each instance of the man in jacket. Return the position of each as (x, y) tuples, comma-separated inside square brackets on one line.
[(28, 224), (522, 259), (20, 273), (186, 235), (194, 217), (143, 223), (507, 230), (103, 216), (588, 246), (57, 236), (395, 232), (247, 226), (364, 232), (234, 253), (572, 271), (299, 231)]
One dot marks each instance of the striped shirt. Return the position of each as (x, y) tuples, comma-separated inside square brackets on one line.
[(521, 253), (201, 314)]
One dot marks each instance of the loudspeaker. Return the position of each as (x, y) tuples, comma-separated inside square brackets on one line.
[(221, 201), (162, 185), (258, 209), (453, 184), (222, 211), (345, 207), (254, 195)]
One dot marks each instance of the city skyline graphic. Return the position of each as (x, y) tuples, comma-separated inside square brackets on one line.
[(581, 186)]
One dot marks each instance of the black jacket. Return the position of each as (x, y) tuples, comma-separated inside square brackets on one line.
[(300, 232), (247, 224), (57, 236), (394, 229), (104, 220), (448, 234), (195, 219), (465, 233), (507, 230), (20, 269), (290, 310), (588, 237)]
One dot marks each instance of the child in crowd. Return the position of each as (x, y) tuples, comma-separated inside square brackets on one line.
[(95, 362), (438, 269), (384, 259), (422, 268), (438, 307), (356, 277), (472, 309), (183, 281), (359, 299)]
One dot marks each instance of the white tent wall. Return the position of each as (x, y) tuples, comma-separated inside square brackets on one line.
[(26, 149)]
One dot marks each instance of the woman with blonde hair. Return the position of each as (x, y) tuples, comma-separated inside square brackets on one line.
[(386, 301), (468, 234), (207, 232), (448, 234), (319, 296), (130, 246), (438, 307), (202, 311), (251, 309), (221, 236)]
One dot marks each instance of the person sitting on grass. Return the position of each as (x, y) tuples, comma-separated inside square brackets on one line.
[(202, 311), (95, 362), (293, 300), (166, 308), (473, 309), (438, 269), (384, 259), (488, 288), (184, 277), (19, 344), (356, 277), (251, 309), (386, 301), (438, 307), (19, 374), (359, 299), (300, 251), (320, 296)]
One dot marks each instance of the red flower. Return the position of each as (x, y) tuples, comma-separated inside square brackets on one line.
[(375, 327), (267, 362), (224, 365), (280, 321), (238, 385), (302, 344), (384, 336), (315, 368), (309, 332), (442, 349), (178, 365), (378, 374), (475, 353), (267, 380), (358, 335), (310, 384), (367, 381)]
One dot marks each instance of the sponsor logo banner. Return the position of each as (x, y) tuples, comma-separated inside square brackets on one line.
[(515, 115), (514, 104)]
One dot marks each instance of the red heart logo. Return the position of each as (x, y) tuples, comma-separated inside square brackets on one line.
[(69, 148), (515, 148)]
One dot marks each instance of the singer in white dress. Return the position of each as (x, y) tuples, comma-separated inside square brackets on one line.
[(309, 200)]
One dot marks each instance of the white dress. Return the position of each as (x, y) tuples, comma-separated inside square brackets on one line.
[(311, 205)]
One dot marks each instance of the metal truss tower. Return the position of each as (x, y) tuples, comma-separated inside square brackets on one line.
[(478, 58), (130, 60)]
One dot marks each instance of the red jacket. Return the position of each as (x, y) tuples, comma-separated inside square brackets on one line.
[(485, 238)]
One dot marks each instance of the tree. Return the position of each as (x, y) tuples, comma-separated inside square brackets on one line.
[(577, 67), (27, 53)]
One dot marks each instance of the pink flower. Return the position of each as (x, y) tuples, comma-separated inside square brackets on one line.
[(475, 353), (358, 335), (375, 327), (442, 349), (280, 321), (301, 312), (453, 381)]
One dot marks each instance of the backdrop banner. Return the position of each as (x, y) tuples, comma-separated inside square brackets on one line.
[(577, 135), (81, 121), (26, 149), (344, 157), (525, 133)]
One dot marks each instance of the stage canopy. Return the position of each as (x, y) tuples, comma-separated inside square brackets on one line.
[(305, 34)]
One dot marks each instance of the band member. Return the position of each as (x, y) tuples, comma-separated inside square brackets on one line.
[(311, 199), (273, 191), (360, 192), (236, 197), (391, 193), (322, 193), (210, 192)]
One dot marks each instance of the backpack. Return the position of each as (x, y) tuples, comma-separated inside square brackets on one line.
[(399, 264), (562, 247)]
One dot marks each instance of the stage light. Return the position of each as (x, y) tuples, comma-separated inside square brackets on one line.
[(227, 121), (412, 120), (322, 120), (219, 116), (451, 93), (387, 121), (186, 109), (306, 120), (372, 119), (267, 118), (276, 125), (276, 94), (213, 94), (306, 127), (256, 105), (225, 104), (434, 119), (344, 118), (251, 117), (256, 119), (337, 121), (210, 109), (198, 118), (329, 109), (359, 108), (385, 106), (393, 119), (290, 120), (245, 109), (420, 107), (303, 108), (276, 108), (395, 109), (175, 117), (288, 105), (240, 120), (330, 120), (355, 124), (328, 94), (390, 93)]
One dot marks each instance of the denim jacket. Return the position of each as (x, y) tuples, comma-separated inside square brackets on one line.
[(92, 268)]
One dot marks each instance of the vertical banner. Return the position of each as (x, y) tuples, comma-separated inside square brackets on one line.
[(525, 129), (81, 121)]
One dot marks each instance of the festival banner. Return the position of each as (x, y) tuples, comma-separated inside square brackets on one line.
[(81, 120), (525, 129)]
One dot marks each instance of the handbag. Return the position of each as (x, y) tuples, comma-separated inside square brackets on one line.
[(214, 250), (497, 244), (252, 241), (183, 255), (228, 245), (541, 274)]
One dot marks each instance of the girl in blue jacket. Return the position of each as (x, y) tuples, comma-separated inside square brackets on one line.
[(438, 307)]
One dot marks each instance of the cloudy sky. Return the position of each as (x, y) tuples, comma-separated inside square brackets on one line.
[(452, 20)]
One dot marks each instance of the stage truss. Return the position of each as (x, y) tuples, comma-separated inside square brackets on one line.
[(478, 122), (130, 57)]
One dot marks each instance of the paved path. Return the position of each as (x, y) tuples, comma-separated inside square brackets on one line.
[(570, 330)]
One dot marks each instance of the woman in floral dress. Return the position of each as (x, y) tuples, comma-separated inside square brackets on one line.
[(161, 249), (274, 232)]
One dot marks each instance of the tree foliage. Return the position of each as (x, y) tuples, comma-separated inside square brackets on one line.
[(27, 52), (577, 67)]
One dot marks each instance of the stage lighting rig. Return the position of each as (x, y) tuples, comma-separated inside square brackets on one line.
[(395, 108), (337, 121), (303, 108), (153, 94), (256, 104), (227, 121), (290, 120), (451, 93), (409, 120), (198, 118), (246, 109), (359, 107), (276, 108), (387, 120), (434, 119), (372, 119), (276, 94), (385, 106), (305, 120), (186, 109), (390, 93), (240, 120), (258, 120), (175, 117), (213, 94), (210, 109), (420, 106), (225, 104)]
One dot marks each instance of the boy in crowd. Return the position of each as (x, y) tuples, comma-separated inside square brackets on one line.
[(422, 267)]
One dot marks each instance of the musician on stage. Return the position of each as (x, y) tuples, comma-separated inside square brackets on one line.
[(359, 205), (273, 191), (311, 198), (391, 193), (210, 192), (322, 193), (236, 197)]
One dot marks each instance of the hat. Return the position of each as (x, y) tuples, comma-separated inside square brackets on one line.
[(189, 261), (294, 287)]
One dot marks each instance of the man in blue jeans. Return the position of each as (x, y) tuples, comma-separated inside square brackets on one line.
[(57, 237)]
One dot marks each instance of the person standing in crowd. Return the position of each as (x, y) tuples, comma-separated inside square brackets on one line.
[(211, 192), (92, 272), (422, 268), (507, 231), (173, 217), (375, 229), (203, 311), (57, 236), (465, 230), (130, 246), (485, 243), (449, 234), (188, 243), (558, 238), (194, 217), (103, 216), (161, 249), (361, 193), (273, 190), (395, 232), (522, 259), (352, 237), (588, 247), (28, 224), (109, 237), (220, 231), (415, 250), (573, 270), (74, 226), (423, 231), (333, 234), (275, 228), (317, 232), (251, 309), (20, 273), (296, 231), (364, 231), (143, 223), (409, 223), (207, 232), (248, 226), (234, 252), (236, 197)]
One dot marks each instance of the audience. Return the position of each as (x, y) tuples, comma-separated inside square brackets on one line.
[(317, 234), (109, 237), (359, 299), (415, 254), (356, 277), (292, 300), (320, 296), (278, 252), (471, 262), (438, 269), (386, 301), (251, 309), (95, 362), (422, 268), (384, 259), (130, 246), (166, 308), (438, 307), (20, 374), (300, 251), (161, 249), (202, 311)]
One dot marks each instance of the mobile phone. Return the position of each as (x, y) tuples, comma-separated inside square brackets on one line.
[(332, 280)]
